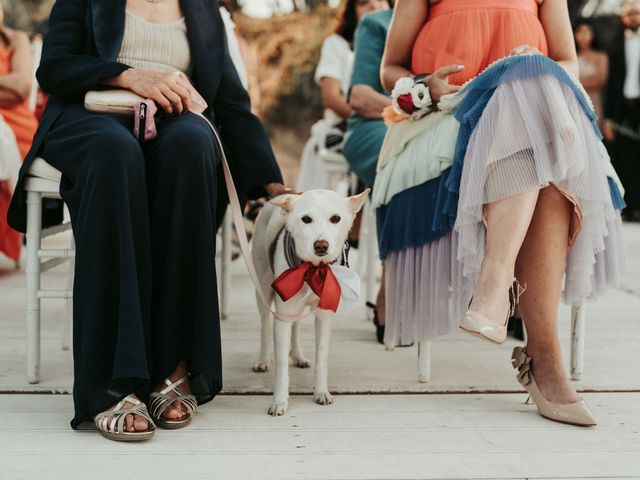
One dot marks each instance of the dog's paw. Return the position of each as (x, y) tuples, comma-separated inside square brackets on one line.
[(277, 409), (301, 362), (323, 398), (262, 367)]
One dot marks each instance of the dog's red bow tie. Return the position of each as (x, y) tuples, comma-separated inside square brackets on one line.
[(320, 279)]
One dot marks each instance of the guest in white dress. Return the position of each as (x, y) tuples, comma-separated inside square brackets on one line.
[(333, 75)]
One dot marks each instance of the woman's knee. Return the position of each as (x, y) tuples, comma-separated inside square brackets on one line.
[(114, 154), (188, 148)]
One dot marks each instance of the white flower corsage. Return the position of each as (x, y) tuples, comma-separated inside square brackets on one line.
[(411, 97)]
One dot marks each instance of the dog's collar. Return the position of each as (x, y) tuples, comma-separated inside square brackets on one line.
[(291, 255)]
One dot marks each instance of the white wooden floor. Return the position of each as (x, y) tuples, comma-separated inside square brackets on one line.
[(359, 437), (467, 422)]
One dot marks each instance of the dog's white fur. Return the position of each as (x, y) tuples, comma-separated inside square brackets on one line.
[(321, 206)]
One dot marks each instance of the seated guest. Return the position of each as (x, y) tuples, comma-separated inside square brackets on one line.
[(366, 128), (16, 72), (333, 75), (594, 64), (622, 108), (146, 319)]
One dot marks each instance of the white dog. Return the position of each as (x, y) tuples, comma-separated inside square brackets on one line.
[(307, 231)]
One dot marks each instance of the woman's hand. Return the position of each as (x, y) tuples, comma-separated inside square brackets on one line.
[(366, 102), (439, 82), (525, 49), (276, 189), (172, 91)]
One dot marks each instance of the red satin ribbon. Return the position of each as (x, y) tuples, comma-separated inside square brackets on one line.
[(320, 279)]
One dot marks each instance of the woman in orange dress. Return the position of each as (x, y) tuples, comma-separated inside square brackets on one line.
[(494, 168), (16, 72)]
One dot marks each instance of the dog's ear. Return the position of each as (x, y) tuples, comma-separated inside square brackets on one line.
[(357, 201), (285, 202)]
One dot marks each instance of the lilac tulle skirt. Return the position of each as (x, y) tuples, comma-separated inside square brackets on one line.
[(524, 124)]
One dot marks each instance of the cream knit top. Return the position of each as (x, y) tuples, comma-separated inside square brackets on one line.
[(162, 47)]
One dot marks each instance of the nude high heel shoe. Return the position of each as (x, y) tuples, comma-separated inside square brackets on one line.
[(572, 413), (477, 324)]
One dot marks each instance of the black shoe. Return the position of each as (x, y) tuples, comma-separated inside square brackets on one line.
[(376, 322), (515, 328)]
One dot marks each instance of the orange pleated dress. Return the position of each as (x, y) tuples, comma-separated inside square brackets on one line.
[(24, 124), (485, 31)]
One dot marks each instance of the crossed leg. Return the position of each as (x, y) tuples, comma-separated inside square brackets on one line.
[(528, 235)]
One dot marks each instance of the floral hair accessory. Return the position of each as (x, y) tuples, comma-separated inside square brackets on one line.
[(411, 97)]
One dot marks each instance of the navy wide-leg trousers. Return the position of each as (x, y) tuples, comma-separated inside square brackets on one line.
[(144, 221)]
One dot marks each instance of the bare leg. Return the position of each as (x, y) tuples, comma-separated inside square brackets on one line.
[(507, 224), (541, 265)]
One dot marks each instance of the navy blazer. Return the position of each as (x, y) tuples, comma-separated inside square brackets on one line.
[(80, 50), (615, 107)]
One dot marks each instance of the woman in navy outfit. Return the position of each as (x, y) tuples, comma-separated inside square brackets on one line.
[(145, 215)]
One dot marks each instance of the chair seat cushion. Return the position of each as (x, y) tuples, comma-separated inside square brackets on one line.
[(41, 169)]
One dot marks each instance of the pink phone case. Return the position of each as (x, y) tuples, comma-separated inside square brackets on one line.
[(144, 123)]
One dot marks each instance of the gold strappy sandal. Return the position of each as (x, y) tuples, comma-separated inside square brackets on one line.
[(110, 423), (160, 401)]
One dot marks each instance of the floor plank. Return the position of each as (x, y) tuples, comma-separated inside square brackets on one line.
[(359, 437)]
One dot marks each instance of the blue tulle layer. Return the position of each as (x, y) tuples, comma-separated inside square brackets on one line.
[(428, 211), (616, 196), (410, 219)]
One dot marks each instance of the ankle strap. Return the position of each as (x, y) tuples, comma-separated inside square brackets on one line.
[(515, 292), (172, 386)]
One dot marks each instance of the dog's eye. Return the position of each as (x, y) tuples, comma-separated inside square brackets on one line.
[(335, 219), (307, 219)]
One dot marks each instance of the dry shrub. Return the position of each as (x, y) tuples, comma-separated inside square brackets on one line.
[(287, 52)]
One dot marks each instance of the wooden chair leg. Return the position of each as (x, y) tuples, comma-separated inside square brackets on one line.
[(362, 266), (67, 329), (578, 320), (370, 258), (225, 264), (424, 361), (34, 228)]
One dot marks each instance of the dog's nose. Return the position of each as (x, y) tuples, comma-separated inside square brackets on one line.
[(321, 247)]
